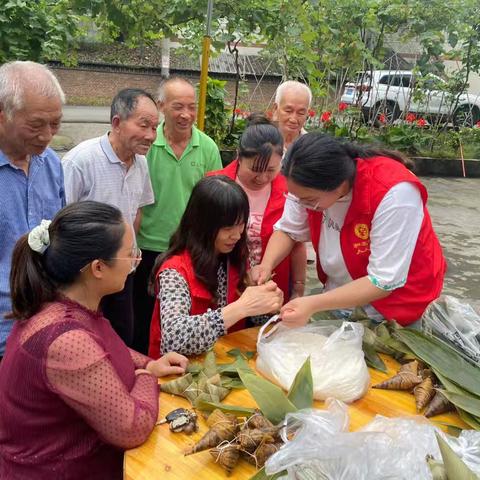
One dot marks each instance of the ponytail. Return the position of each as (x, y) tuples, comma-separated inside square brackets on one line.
[(30, 286)]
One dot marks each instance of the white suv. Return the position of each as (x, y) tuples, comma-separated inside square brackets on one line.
[(392, 93)]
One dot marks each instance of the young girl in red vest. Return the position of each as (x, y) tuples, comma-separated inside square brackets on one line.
[(366, 215), (257, 171), (199, 279)]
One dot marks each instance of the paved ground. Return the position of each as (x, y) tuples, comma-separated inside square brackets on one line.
[(84, 114)]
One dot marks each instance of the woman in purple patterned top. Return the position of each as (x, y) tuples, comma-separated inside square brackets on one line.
[(73, 397)]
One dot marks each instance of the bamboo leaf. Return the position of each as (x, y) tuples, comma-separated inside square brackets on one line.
[(442, 358), (236, 352), (454, 466), (271, 399), (233, 383), (465, 402), (194, 368), (373, 359), (469, 419), (301, 390), (210, 364), (449, 385), (233, 409), (261, 475), (453, 430)]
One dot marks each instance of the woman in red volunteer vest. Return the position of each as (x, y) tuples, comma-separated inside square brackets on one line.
[(366, 215), (257, 171), (198, 280)]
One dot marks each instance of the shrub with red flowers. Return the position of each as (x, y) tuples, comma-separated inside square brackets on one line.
[(411, 117), (326, 117)]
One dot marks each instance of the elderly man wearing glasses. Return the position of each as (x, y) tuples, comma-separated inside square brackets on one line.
[(112, 169)]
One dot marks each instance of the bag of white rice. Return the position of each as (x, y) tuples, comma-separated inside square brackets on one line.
[(336, 356)]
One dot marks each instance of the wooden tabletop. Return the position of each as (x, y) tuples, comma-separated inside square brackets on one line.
[(161, 456)]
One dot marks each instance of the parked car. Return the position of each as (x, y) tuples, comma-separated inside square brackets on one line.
[(392, 94)]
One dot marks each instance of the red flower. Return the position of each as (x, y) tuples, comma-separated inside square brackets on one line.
[(382, 118), (421, 122), (237, 111), (342, 106), (411, 117), (326, 116), (311, 113), (478, 124)]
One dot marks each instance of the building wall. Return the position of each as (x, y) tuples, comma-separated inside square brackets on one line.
[(85, 86)]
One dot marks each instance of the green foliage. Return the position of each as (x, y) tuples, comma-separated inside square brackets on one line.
[(216, 116), (36, 30)]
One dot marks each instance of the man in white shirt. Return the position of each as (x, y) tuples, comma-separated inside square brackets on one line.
[(290, 110), (113, 169)]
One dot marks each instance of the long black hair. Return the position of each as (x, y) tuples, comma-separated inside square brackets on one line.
[(216, 202), (259, 140), (320, 161), (80, 233)]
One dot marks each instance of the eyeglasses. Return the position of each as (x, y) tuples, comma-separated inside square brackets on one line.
[(296, 200), (135, 258)]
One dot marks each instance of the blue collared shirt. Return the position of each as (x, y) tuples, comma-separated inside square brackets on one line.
[(24, 202)]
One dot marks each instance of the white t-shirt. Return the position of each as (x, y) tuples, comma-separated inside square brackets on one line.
[(93, 171), (393, 237)]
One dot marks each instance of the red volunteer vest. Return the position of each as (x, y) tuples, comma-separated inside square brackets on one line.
[(273, 213), (374, 178), (201, 298)]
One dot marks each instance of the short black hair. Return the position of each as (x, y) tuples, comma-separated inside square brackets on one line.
[(125, 102)]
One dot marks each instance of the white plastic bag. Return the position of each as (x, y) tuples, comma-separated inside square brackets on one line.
[(338, 365), (456, 322), (321, 448)]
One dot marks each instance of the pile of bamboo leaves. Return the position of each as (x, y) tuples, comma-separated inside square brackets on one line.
[(205, 382), (459, 379)]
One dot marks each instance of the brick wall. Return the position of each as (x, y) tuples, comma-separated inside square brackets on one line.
[(84, 86)]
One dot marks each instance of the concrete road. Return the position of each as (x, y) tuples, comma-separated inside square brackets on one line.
[(82, 114)]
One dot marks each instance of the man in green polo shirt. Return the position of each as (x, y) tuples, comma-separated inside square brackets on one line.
[(180, 156)]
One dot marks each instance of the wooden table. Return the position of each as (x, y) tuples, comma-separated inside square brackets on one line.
[(161, 456)]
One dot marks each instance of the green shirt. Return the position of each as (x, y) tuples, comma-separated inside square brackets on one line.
[(172, 182)]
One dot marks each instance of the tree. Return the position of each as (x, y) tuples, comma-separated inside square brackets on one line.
[(36, 30)]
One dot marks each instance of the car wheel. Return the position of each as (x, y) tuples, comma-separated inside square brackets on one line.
[(466, 116), (385, 113)]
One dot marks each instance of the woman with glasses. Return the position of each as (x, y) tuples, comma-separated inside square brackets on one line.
[(73, 396), (257, 171), (366, 215), (199, 283)]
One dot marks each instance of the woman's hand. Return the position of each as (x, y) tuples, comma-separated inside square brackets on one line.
[(170, 364), (261, 300), (259, 274), (297, 312)]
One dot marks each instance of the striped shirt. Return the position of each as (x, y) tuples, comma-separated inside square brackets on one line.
[(93, 171), (24, 202)]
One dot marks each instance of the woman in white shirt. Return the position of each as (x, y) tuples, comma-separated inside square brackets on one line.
[(366, 215)]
